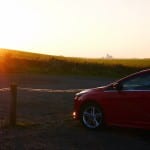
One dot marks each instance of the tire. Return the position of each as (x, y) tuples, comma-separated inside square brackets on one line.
[(91, 116)]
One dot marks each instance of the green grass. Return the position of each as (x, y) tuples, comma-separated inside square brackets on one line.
[(25, 62)]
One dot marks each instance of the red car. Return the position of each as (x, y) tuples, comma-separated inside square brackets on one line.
[(125, 103)]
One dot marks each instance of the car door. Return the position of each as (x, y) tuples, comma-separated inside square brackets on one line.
[(131, 105)]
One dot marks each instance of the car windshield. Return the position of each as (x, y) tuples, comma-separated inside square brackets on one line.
[(137, 83)]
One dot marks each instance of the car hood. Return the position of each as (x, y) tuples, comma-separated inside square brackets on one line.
[(91, 90)]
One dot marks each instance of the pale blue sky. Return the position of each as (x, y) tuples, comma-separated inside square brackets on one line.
[(79, 28)]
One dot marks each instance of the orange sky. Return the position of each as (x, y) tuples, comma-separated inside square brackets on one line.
[(83, 28)]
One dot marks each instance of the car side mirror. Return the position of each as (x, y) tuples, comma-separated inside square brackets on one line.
[(117, 86)]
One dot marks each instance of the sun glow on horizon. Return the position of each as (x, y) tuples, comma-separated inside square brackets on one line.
[(81, 28)]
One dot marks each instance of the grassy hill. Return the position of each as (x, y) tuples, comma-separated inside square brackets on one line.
[(13, 61)]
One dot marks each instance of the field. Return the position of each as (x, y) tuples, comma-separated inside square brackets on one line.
[(44, 121), (22, 62)]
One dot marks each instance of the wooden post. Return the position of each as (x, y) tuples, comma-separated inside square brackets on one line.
[(13, 103)]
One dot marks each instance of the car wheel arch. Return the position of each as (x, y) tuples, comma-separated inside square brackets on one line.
[(88, 102)]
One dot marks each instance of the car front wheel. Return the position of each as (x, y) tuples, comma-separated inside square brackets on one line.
[(91, 116)]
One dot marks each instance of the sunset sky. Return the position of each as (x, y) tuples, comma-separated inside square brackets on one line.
[(78, 28)]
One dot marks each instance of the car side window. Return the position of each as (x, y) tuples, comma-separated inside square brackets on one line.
[(137, 83)]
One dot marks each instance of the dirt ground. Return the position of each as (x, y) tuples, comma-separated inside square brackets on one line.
[(44, 121)]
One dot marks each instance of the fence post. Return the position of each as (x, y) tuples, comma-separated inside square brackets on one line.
[(13, 103)]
